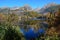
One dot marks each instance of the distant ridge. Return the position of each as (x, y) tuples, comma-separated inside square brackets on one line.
[(50, 7), (20, 10)]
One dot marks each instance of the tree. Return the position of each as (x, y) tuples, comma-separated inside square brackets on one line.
[(57, 21), (13, 19), (33, 14), (57, 18), (2, 25), (8, 27)]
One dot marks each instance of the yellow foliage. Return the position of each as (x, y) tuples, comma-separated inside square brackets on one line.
[(33, 14)]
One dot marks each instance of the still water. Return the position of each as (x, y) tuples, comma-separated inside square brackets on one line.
[(31, 32)]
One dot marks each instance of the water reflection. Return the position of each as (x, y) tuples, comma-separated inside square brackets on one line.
[(30, 33)]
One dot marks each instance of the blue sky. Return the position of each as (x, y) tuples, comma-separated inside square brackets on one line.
[(32, 3)]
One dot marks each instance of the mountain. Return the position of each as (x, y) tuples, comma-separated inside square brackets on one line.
[(49, 8), (4, 10), (15, 10), (37, 9), (27, 7), (21, 10)]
